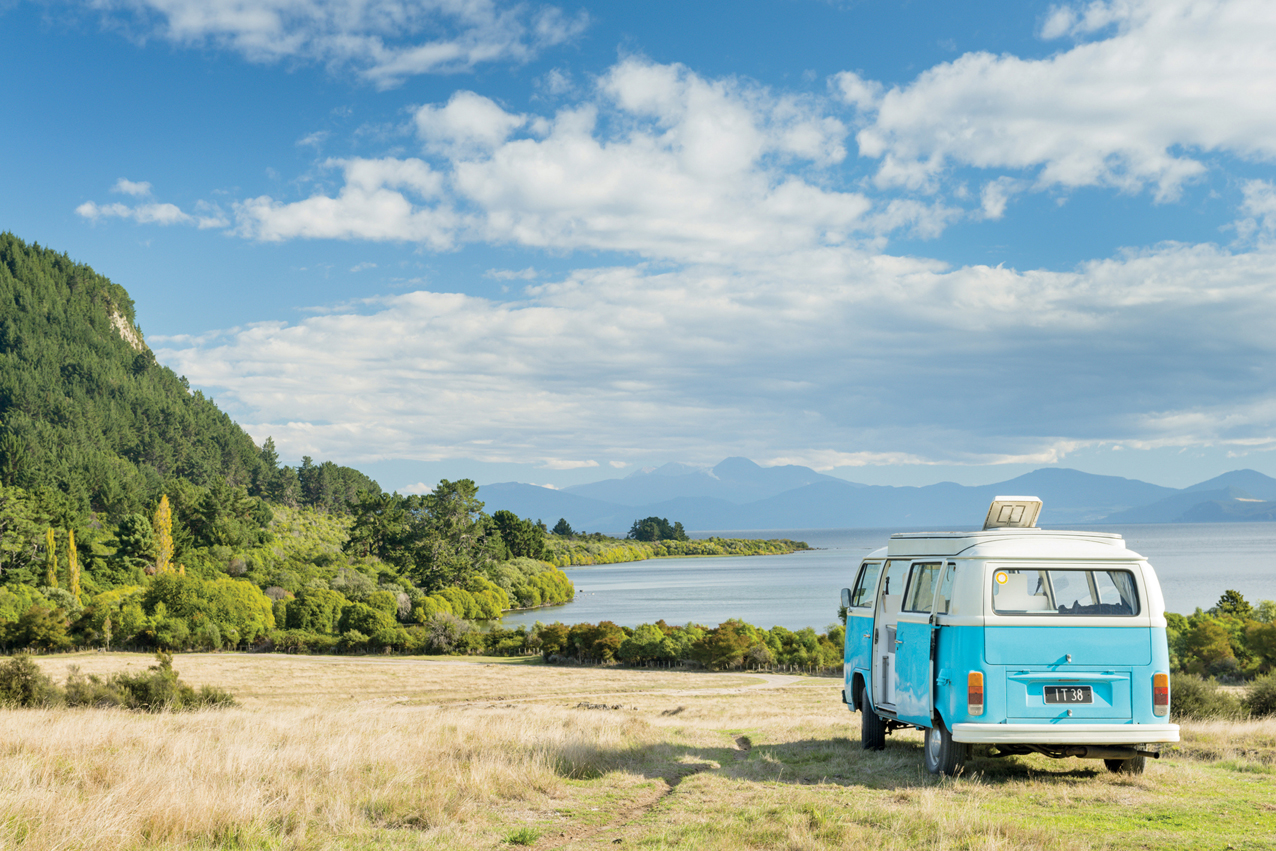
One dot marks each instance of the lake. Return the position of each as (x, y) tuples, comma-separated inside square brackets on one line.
[(1195, 562)]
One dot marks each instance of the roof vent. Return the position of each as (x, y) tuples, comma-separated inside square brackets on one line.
[(1013, 512)]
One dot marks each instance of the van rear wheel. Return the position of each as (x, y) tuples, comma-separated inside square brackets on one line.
[(942, 754), (1126, 766), (872, 725)]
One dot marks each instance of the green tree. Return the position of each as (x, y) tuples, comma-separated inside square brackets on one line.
[(163, 528), (1233, 603), (72, 566), (656, 529), (563, 529), (523, 538), (134, 543), (50, 559), (1206, 644), (20, 533)]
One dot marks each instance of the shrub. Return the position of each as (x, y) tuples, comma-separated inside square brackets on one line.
[(1192, 696), (444, 632), (1260, 700), (22, 683)]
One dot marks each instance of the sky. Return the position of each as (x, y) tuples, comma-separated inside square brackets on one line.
[(897, 242)]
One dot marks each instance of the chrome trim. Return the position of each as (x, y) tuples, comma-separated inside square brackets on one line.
[(1064, 734)]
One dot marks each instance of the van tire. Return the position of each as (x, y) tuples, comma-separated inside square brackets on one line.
[(941, 754), (1126, 766), (872, 726)]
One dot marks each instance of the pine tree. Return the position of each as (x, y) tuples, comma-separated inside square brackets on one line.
[(163, 536), (72, 566), (50, 559)]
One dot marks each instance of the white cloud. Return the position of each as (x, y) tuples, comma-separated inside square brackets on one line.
[(467, 122), (684, 168), (416, 489), (313, 140), (384, 41), (128, 187), (1170, 81), (829, 356), (528, 274), (380, 201), (1259, 209), (566, 464), (207, 216)]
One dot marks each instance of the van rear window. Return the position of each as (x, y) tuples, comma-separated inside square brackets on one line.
[(1064, 592)]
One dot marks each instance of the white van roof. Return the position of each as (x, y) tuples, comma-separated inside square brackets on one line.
[(1011, 543)]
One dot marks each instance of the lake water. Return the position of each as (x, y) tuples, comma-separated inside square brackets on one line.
[(1195, 562)]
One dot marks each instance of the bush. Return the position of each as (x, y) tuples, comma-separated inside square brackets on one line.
[(1260, 701), (22, 683), (157, 689), (1195, 697)]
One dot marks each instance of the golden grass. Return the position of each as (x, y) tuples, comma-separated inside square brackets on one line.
[(394, 753)]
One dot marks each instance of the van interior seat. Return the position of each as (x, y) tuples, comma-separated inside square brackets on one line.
[(1014, 596), (891, 603)]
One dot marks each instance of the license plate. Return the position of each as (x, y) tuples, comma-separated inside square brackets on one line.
[(1069, 694)]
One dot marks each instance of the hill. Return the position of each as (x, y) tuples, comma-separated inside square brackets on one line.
[(740, 495), (87, 412)]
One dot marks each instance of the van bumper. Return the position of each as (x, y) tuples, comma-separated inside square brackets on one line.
[(1060, 734)]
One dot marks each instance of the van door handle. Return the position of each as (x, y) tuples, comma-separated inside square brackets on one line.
[(899, 641), (865, 635)]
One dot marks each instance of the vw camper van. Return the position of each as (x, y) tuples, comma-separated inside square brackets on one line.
[(1024, 639)]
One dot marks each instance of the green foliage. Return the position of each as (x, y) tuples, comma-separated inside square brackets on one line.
[(158, 689), (522, 538), (444, 633), (41, 627), (1233, 603), (364, 619), (656, 529), (438, 539), (23, 684), (563, 528), (180, 604), (316, 610), (1260, 698), (599, 549), (20, 531), (87, 412), (1192, 696)]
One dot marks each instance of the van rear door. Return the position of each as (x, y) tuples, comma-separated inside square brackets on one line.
[(1069, 638)]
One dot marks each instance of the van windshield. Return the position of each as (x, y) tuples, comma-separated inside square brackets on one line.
[(1064, 592)]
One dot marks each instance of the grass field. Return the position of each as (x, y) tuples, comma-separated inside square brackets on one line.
[(333, 752)]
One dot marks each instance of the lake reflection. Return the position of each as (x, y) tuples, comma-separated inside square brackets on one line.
[(1195, 562)]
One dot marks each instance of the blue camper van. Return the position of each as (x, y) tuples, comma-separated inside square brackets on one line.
[(1027, 640)]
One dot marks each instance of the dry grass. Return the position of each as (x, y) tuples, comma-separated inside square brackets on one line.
[(356, 753)]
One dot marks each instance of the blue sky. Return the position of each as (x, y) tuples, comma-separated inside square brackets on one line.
[(898, 242)]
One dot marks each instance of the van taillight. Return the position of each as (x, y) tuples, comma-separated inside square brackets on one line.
[(1160, 694), (975, 693)]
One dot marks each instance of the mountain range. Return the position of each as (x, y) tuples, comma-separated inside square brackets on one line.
[(739, 494)]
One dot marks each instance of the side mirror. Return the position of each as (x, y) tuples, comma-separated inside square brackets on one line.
[(846, 598)]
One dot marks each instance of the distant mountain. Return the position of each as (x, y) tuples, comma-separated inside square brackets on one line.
[(741, 495), (735, 480), (1252, 482), (1238, 496)]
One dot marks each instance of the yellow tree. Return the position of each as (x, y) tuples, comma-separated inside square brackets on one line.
[(50, 560), (72, 566), (163, 523)]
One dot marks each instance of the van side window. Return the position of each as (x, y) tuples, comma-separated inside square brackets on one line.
[(1065, 592), (944, 596), (866, 585), (921, 586)]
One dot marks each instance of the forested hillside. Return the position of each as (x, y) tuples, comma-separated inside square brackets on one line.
[(133, 512)]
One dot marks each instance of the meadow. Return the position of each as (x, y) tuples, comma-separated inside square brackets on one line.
[(408, 753)]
